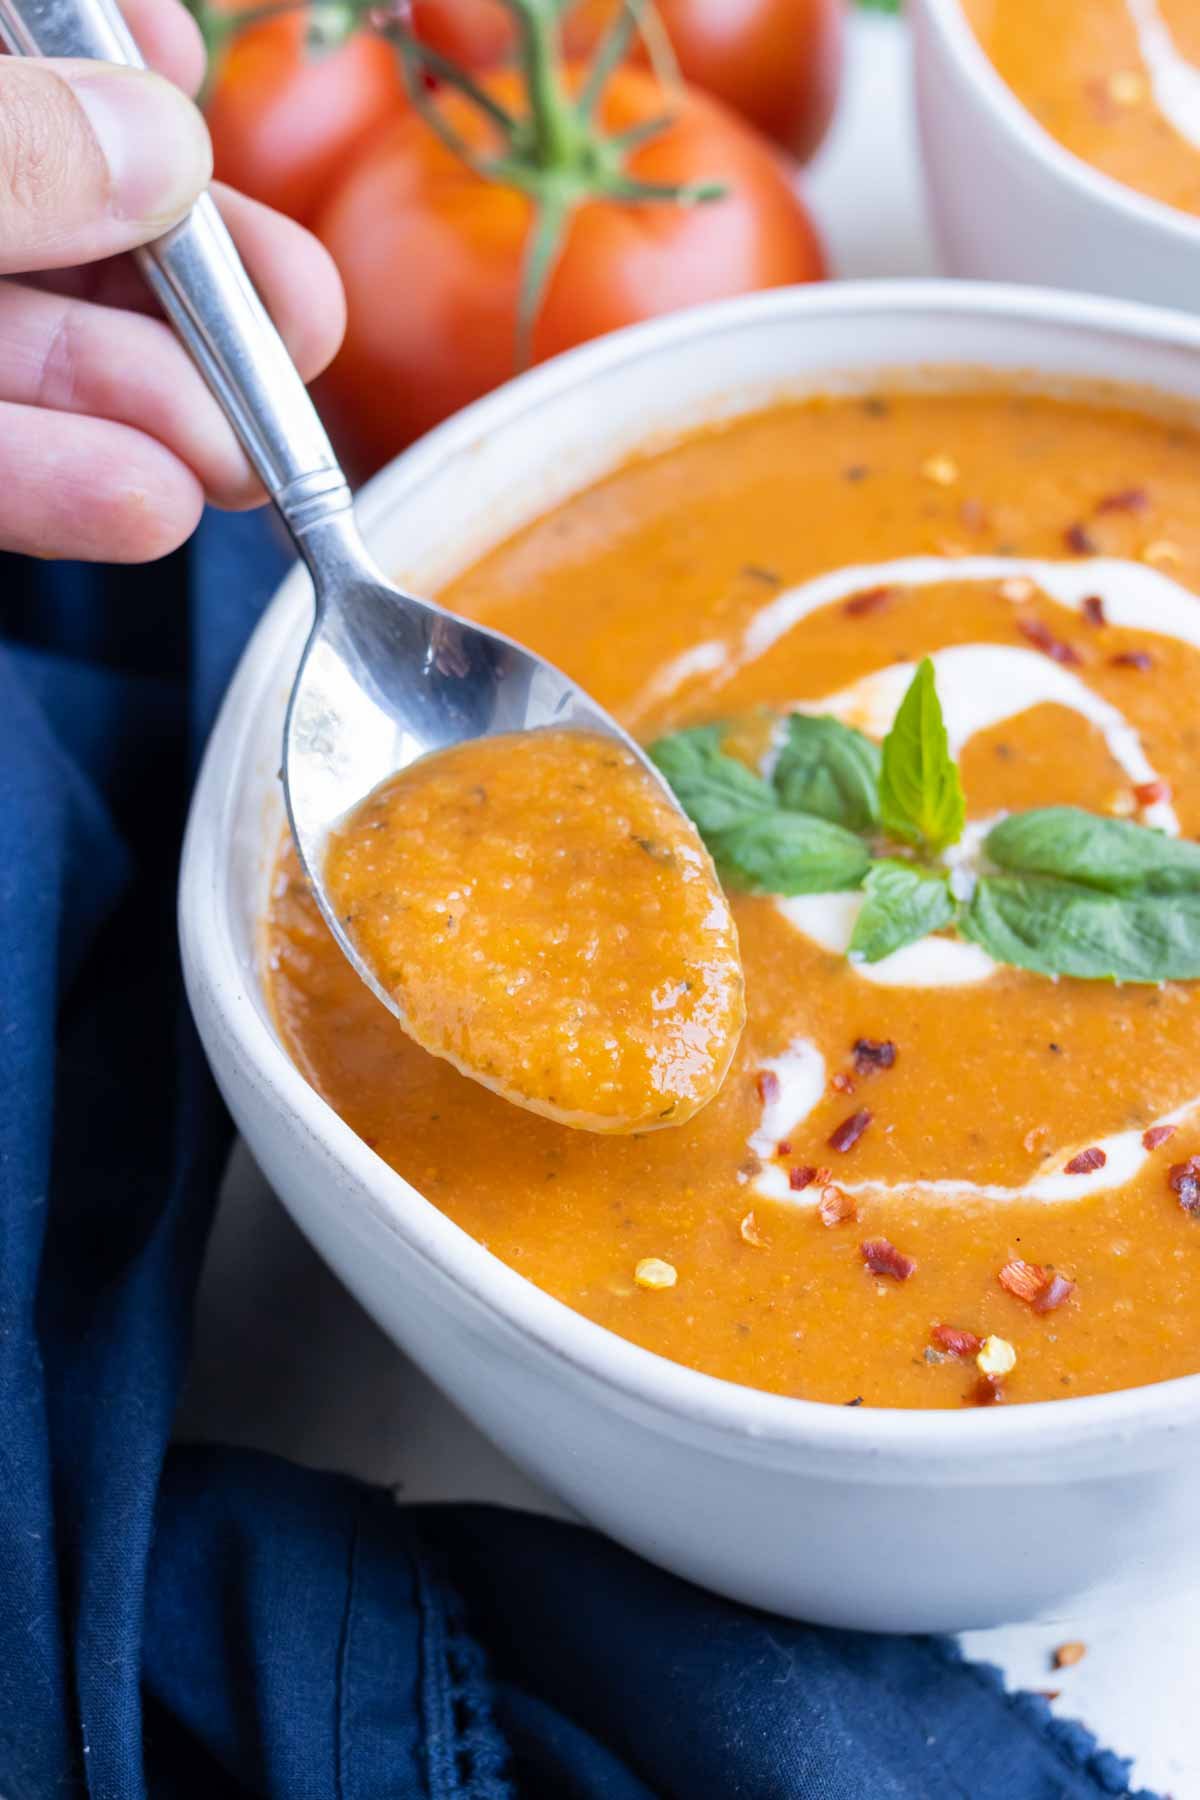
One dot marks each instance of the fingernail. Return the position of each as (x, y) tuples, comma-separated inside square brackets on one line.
[(152, 138)]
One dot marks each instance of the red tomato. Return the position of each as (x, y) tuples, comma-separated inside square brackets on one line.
[(431, 256), (284, 122), (777, 62), (477, 33)]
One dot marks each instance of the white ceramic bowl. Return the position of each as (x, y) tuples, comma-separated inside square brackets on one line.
[(896, 1520), (1011, 204)]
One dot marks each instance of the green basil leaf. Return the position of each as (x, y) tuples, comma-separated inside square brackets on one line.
[(715, 791), (920, 794), (1112, 854), (789, 853), (1063, 928), (831, 770), (903, 904)]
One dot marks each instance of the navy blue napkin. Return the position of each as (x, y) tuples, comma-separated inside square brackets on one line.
[(201, 1621)]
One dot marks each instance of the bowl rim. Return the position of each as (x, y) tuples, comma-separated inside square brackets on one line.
[(994, 95), (751, 1422)]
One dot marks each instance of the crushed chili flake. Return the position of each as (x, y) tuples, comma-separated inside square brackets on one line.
[(1086, 1161), (1149, 793), (768, 1085), (1056, 1293), (1078, 538), (988, 1391), (870, 600), (996, 1357), (955, 1341), (844, 1084), (1132, 659), (823, 1177), (836, 1206), (1184, 1179), (873, 1053), (783, 1147), (653, 1273), (1043, 639), (1034, 1137), (1127, 87), (883, 1258), (1067, 1655), (1157, 1134), (1024, 1280), (846, 1135), (801, 1178), (750, 1232), (1092, 609), (1129, 500)]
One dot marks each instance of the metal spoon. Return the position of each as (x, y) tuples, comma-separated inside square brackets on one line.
[(385, 677)]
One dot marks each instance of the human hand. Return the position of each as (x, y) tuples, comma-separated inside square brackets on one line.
[(109, 440)]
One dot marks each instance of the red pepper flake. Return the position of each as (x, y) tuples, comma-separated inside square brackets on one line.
[(883, 1258), (1184, 1178), (783, 1147), (1087, 1161), (1157, 1134), (1092, 609), (869, 601), (873, 1053), (988, 1391), (767, 1083), (1079, 539), (843, 1083), (1024, 1280), (823, 1177), (954, 1340), (1126, 500), (847, 1134), (1056, 1292), (1149, 793), (1132, 659), (1043, 639), (836, 1206), (800, 1178)]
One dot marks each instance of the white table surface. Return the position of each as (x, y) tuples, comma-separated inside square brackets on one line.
[(286, 1361)]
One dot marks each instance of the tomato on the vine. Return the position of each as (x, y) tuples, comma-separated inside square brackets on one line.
[(476, 33), (776, 62), (285, 122), (433, 254)]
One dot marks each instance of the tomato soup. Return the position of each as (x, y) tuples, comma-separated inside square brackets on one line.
[(908, 659), (1115, 81), (546, 920)]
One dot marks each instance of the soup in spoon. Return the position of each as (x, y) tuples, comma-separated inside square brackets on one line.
[(548, 921)]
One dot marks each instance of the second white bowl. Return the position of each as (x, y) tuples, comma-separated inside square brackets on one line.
[(1011, 204)]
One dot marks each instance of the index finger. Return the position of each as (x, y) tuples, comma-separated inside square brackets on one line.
[(169, 39)]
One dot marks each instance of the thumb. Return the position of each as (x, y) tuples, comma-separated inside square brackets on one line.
[(93, 160)]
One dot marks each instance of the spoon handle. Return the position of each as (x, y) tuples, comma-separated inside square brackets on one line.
[(202, 286)]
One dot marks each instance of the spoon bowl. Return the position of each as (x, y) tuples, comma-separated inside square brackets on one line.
[(386, 678)]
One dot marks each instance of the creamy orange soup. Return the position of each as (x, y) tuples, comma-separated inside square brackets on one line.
[(546, 920), (931, 1180), (1115, 81)]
